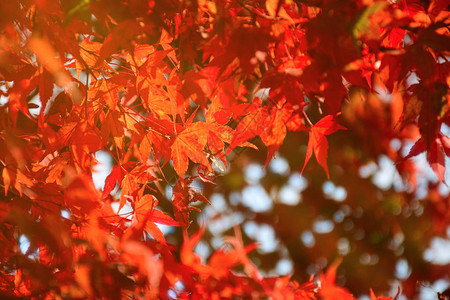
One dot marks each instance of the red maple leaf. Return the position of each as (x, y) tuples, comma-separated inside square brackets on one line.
[(439, 147), (115, 176), (183, 196), (374, 297), (329, 290), (318, 142)]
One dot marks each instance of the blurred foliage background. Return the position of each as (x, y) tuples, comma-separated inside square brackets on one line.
[(391, 227)]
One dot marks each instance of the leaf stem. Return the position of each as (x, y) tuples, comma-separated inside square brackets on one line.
[(307, 119)]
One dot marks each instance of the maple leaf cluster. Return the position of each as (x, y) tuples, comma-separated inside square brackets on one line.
[(169, 89)]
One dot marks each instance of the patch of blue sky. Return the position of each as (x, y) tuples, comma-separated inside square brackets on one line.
[(169, 191), (289, 195), (24, 244), (4, 88), (387, 176), (125, 211), (202, 249), (279, 165), (323, 226), (65, 213), (217, 242), (165, 229), (256, 198), (298, 182), (224, 222), (368, 170), (284, 267), (263, 234), (197, 185), (429, 291), (235, 198), (262, 93), (425, 174), (307, 238), (253, 173), (331, 191), (438, 252), (218, 202), (402, 269), (102, 169)]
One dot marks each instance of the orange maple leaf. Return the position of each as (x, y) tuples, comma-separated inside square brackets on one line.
[(190, 144), (146, 212)]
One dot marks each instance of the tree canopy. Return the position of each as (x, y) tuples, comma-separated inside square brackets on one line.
[(211, 112)]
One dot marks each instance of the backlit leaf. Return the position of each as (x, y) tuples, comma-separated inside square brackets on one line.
[(318, 142), (189, 144)]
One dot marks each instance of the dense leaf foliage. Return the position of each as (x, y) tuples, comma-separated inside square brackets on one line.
[(186, 97)]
